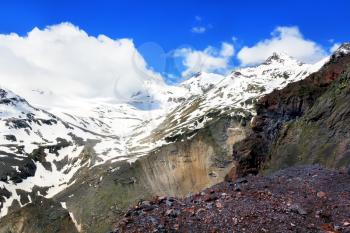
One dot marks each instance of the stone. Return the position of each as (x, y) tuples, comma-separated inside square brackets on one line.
[(237, 187), (210, 197), (200, 210), (153, 220), (219, 205), (147, 207), (298, 209), (235, 221), (242, 180), (209, 206), (161, 199), (145, 203), (321, 194), (172, 213), (169, 202)]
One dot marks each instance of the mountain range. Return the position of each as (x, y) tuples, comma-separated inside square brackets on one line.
[(79, 165)]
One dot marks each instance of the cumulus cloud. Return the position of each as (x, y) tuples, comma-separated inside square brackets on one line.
[(288, 40), (227, 50), (208, 60), (65, 60)]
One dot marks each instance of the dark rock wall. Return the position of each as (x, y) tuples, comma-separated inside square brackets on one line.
[(321, 135), (297, 125)]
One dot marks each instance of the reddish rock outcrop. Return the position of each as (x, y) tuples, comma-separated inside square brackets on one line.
[(276, 111)]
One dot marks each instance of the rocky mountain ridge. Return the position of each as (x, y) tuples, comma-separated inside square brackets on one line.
[(304, 123)]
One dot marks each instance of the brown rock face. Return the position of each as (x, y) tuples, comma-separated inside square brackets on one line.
[(275, 129)]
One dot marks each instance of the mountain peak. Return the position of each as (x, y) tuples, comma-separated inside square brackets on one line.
[(343, 49), (6, 94), (279, 57)]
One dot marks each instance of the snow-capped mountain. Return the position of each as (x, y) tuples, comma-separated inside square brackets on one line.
[(43, 148), (233, 95), (342, 50), (201, 83)]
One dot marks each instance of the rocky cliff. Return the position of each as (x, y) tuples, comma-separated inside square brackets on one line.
[(306, 122)]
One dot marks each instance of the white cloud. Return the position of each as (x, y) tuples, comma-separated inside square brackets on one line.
[(334, 47), (208, 60), (227, 50), (67, 61), (283, 39), (198, 30)]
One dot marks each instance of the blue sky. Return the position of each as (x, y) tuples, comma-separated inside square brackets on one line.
[(158, 27)]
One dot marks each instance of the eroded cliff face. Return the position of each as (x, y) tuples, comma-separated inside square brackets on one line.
[(190, 165), (101, 195), (304, 123), (321, 135), (42, 215)]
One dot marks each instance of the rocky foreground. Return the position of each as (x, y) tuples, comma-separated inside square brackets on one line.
[(300, 199)]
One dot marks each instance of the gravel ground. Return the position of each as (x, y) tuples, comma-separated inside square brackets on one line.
[(300, 199)]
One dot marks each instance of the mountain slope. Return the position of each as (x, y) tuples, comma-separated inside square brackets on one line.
[(303, 199), (37, 150), (304, 123)]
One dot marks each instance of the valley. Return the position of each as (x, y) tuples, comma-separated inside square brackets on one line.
[(93, 160)]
